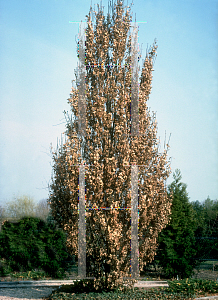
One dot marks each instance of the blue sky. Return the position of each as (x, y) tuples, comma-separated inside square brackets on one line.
[(37, 62)]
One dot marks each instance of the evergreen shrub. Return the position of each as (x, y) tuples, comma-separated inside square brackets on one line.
[(31, 243)]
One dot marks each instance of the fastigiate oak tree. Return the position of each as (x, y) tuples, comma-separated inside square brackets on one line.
[(109, 145)]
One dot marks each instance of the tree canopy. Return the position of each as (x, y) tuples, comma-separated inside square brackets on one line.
[(116, 150)]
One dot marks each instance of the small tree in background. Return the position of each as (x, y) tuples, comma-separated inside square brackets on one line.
[(211, 213), (42, 209), (206, 233), (24, 206), (21, 206), (2, 215), (2, 212), (110, 150), (176, 251), (201, 226)]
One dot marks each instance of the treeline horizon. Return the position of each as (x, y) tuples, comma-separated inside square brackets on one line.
[(190, 236)]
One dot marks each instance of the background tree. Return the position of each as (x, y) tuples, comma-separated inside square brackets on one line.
[(109, 150), (24, 206), (42, 209), (206, 233), (2, 213), (176, 251), (211, 212), (21, 206), (201, 226)]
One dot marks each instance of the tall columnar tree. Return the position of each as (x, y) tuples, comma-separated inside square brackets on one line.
[(176, 251), (108, 150)]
